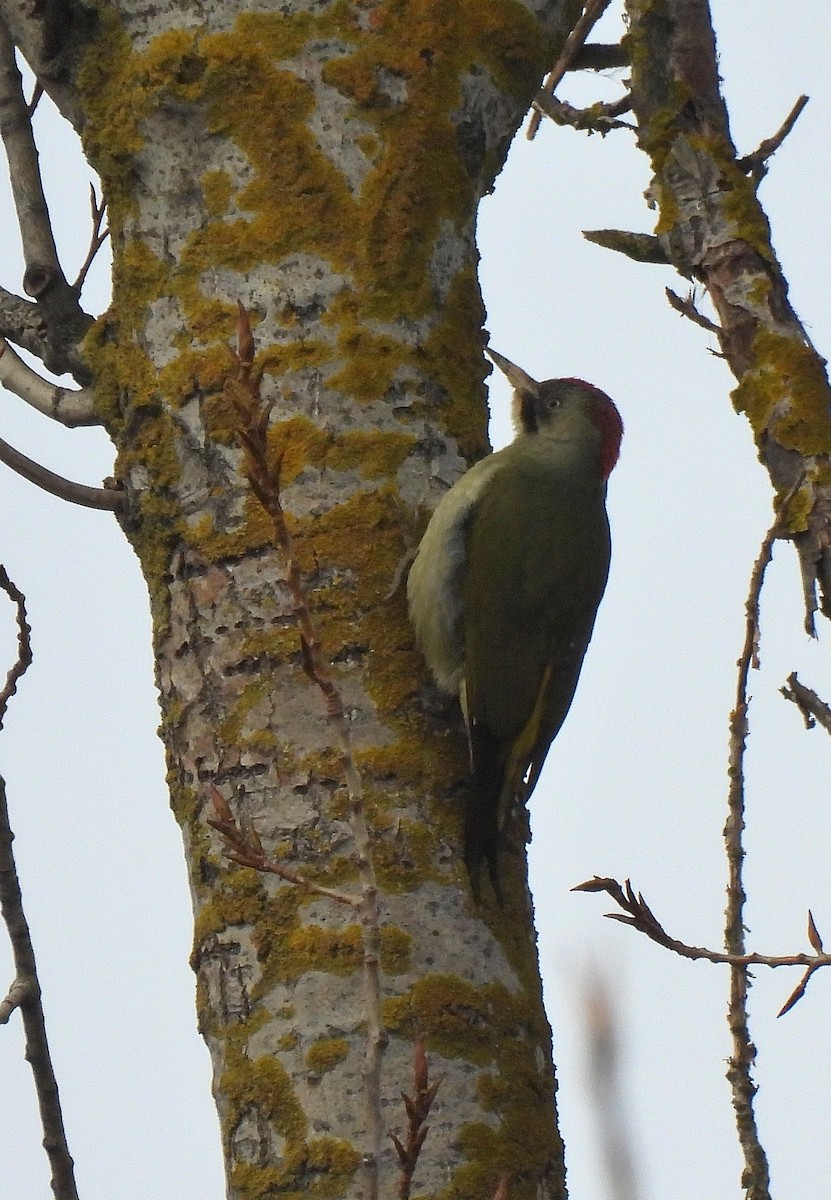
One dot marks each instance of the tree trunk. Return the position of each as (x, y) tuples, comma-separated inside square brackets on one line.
[(320, 165)]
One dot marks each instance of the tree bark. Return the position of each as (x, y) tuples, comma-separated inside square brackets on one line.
[(320, 165)]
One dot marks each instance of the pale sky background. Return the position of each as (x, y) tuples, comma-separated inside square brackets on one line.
[(636, 782)]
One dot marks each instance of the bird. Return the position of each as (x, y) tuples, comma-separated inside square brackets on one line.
[(505, 586)]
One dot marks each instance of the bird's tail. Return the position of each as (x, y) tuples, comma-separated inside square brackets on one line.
[(483, 806)]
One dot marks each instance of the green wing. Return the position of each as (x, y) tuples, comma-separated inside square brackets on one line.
[(530, 600)]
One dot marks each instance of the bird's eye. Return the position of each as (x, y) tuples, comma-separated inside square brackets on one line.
[(552, 403)]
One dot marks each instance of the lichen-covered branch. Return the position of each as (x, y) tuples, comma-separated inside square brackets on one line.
[(598, 118), (714, 230), (24, 993), (591, 14)]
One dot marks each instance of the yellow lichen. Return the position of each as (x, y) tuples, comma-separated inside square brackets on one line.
[(785, 394), (325, 1054), (392, 326)]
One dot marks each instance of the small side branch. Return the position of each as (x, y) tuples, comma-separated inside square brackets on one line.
[(593, 11), (24, 993), (814, 710), (24, 643), (636, 912), (641, 247), (686, 307), (243, 846), (22, 324), (70, 407), (109, 499), (598, 118), (756, 164), (98, 236)]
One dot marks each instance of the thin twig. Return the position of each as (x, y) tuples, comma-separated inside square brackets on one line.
[(97, 237), (637, 913), (755, 164), (37, 93), (243, 846), (24, 643), (686, 307), (593, 11), (740, 1065), (243, 389), (109, 499), (24, 992), (813, 709)]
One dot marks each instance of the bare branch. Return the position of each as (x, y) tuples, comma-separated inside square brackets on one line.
[(21, 323), (64, 320), (243, 846), (642, 247), (97, 237), (637, 913), (70, 406), (740, 1066), (39, 248), (37, 94), (599, 118), (24, 643), (755, 164), (592, 12), (813, 709), (109, 499), (24, 992), (686, 307)]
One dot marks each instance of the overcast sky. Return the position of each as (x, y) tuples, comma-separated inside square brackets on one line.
[(636, 783)]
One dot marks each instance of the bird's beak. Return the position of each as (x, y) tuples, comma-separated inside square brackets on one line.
[(519, 379)]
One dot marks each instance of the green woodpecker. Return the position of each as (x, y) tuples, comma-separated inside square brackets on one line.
[(505, 586)]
